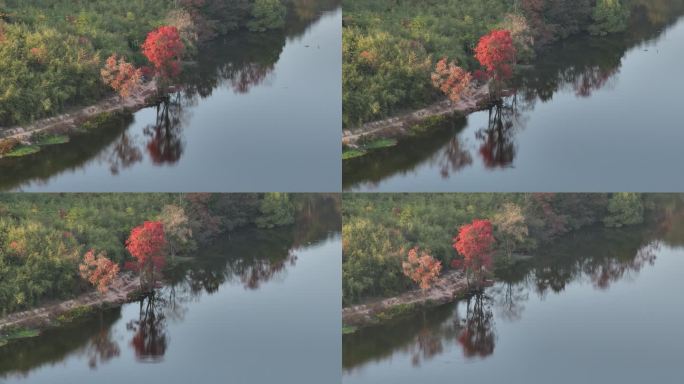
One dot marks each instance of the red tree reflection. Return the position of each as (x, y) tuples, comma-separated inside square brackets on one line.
[(498, 149), (165, 145), (150, 341), (477, 338)]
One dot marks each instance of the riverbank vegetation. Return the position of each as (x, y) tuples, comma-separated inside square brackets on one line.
[(391, 48), (58, 246), (383, 233), (52, 53)]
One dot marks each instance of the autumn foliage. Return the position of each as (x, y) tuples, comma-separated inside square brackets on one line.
[(474, 243), (164, 48), (451, 79), (98, 270), (146, 244), (122, 76), (497, 54), (423, 269)]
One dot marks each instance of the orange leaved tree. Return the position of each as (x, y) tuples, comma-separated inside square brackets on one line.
[(121, 76), (98, 270), (423, 270), (451, 79)]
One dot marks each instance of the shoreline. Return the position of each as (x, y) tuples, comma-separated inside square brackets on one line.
[(69, 122), (124, 289), (450, 287), (359, 141)]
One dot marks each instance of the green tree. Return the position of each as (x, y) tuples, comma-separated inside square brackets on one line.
[(624, 209), (609, 16), (371, 263), (276, 210), (267, 14)]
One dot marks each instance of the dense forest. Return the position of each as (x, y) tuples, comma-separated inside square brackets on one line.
[(392, 47), (381, 231), (47, 239), (54, 53)]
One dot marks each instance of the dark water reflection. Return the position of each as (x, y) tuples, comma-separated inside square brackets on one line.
[(598, 306), (588, 107), (251, 298), (261, 105)]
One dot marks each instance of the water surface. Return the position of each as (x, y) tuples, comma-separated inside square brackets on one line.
[(593, 114)]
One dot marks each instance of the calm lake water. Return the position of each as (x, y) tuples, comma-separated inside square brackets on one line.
[(599, 306), (589, 108), (261, 113), (255, 308)]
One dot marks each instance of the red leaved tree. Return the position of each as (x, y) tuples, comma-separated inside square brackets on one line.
[(98, 270), (146, 244), (496, 53), (423, 269), (474, 243), (451, 79), (164, 48), (122, 76)]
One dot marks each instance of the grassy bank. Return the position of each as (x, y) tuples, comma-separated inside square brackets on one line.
[(364, 148), (60, 131), (32, 323), (17, 334), (16, 148)]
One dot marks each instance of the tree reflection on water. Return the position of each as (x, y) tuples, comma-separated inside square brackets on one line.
[(477, 336), (165, 143), (150, 340)]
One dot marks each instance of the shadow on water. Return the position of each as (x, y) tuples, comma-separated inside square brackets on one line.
[(82, 148), (90, 338), (244, 260), (371, 169)]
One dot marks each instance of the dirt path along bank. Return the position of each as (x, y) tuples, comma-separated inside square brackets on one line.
[(448, 288), (122, 290), (402, 126)]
